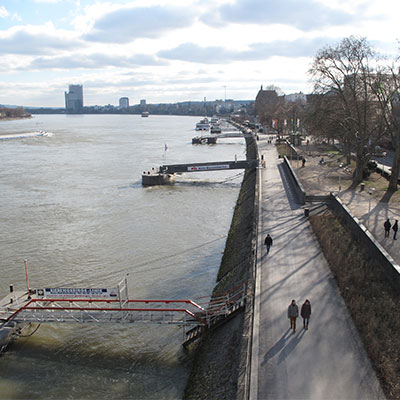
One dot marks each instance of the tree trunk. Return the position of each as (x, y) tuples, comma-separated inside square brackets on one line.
[(359, 171), (395, 168)]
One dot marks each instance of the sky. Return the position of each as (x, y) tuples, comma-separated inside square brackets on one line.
[(175, 50)]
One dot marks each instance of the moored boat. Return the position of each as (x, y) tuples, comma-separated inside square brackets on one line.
[(203, 125)]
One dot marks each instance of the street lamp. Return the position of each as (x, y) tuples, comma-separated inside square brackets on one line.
[(371, 192)]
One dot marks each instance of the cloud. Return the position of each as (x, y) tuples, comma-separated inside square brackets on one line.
[(29, 40), (127, 24), (3, 12), (282, 48), (305, 15), (93, 61), (191, 52)]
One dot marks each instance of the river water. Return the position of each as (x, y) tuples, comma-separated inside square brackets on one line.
[(72, 204)]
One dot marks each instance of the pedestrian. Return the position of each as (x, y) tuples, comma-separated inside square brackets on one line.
[(395, 228), (268, 242), (293, 313), (306, 313), (387, 226), (303, 162)]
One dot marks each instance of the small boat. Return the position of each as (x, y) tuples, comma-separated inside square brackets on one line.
[(145, 114), (215, 129), (203, 125)]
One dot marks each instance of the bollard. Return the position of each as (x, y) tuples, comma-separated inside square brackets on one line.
[(362, 186), (306, 212)]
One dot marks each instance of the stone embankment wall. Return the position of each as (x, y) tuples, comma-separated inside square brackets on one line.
[(221, 360)]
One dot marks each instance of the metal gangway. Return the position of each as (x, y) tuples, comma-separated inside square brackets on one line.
[(213, 137), (103, 305)]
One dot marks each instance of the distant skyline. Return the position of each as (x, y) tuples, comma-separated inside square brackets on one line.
[(175, 50)]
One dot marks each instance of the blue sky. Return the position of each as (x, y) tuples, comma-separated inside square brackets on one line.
[(175, 50)]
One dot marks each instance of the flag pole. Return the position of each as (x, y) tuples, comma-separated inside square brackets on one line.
[(27, 278)]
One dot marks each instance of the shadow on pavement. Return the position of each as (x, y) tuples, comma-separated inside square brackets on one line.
[(285, 345)]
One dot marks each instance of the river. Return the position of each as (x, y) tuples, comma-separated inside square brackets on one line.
[(72, 204)]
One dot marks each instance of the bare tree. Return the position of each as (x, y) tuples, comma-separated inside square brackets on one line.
[(344, 72), (386, 87)]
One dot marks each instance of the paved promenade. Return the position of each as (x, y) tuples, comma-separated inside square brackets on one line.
[(327, 361)]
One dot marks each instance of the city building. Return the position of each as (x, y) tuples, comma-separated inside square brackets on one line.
[(74, 99), (296, 97), (143, 102), (124, 102)]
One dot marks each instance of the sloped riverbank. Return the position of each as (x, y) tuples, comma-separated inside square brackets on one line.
[(220, 360)]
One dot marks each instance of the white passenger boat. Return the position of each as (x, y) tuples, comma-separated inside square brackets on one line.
[(203, 125)]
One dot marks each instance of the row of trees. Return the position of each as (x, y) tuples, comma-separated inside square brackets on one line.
[(18, 112), (355, 102)]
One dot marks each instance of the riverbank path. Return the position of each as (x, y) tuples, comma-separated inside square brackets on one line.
[(327, 361)]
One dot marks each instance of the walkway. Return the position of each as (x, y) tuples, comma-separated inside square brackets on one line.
[(327, 361)]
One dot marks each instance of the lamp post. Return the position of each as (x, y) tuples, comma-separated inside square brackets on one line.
[(371, 192)]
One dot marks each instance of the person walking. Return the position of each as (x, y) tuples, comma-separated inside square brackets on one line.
[(268, 242), (306, 313), (395, 228), (293, 313), (387, 226)]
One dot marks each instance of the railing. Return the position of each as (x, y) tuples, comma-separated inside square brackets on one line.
[(186, 313), (106, 310)]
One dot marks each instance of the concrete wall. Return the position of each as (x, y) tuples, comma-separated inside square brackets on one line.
[(298, 188), (376, 251)]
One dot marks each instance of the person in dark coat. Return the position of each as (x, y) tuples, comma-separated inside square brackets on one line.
[(395, 228), (306, 313), (268, 242), (293, 313), (387, 226)]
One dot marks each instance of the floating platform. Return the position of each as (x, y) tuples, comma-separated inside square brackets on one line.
[(9, 305), (152, 178)]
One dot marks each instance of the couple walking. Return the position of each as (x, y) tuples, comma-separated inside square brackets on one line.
[(387, 225), (293, 313)]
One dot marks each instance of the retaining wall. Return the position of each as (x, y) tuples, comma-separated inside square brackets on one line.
[(300, 192), (374, 248)]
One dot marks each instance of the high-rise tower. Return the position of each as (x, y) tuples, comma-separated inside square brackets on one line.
[(74, 99)]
